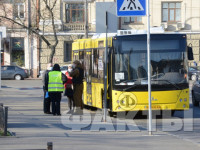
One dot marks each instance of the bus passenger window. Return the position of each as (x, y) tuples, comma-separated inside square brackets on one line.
[(81, 57), (75, 56), (95, 57), (100, 64)]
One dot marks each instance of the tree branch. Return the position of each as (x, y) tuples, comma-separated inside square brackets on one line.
[(28, 28), (52, 20)]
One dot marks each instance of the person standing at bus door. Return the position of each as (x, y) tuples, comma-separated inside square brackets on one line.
[(46, 101), (77, 80), (54, 84), (69, 90)]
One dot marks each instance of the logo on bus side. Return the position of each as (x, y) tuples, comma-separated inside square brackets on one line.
[(127, 101)]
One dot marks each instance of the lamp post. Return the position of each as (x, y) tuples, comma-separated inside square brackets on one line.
[(0, 57), (149, 66), (86, 19)]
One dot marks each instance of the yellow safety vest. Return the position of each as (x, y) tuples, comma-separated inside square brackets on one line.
[(55, 82)]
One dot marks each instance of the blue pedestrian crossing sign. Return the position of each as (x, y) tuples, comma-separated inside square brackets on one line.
[(131, 7)]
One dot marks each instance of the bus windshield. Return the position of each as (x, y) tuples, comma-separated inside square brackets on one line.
[(167, 67)]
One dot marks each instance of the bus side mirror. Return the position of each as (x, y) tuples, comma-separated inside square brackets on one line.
[(190, 53)]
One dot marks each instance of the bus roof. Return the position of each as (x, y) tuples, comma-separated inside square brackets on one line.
[(83, 44), (154, 36)]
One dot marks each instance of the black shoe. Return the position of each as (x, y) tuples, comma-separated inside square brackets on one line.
[(54, 114), (48, 112), (58, 114)]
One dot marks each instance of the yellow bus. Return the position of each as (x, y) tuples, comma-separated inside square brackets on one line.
[(127, 82)]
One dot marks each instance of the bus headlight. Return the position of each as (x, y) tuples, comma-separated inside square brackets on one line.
[(185, 99), (180, 100), (184, 105)]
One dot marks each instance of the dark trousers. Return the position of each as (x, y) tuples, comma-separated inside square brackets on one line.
[(46, 103), (55, 99), (71, 103), (78, 92), (69, 93)]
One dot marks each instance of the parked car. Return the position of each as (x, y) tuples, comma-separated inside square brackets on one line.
[(64, 69), (196, 93), (193, 73), (13, 72)]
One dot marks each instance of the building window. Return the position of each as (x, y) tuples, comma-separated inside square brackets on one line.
[(18, 51), (19, 10), (75, 13), (171, 12), (68, 51), (132, 19)]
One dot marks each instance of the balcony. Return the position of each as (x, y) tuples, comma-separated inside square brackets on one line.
[(75, 27)]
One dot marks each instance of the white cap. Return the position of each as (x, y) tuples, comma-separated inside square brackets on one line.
[(50, 68)]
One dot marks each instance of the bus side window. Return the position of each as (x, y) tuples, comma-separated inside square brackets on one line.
[(95, 57), (100, 63), (75, 56), (81, 57)]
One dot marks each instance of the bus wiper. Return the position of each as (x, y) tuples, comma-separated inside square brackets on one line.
[(130, 87), (175, 85)]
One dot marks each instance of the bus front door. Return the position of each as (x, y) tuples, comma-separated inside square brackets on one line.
[(88, 74), (75, 56)]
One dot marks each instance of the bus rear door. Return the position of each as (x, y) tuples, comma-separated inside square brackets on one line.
[(88, 75)]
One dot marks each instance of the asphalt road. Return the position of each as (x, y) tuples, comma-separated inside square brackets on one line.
[(33, 129)]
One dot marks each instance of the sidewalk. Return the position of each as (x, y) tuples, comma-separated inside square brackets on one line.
[(30, 78), (33, 129)]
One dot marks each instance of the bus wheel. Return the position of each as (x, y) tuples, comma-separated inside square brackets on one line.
[(86, 106), (173, 112), (93, 109), (112, 114), (194, 101)]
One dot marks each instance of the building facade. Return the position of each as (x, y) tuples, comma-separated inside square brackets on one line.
[(173, 16), (70, 25), (20, 46), (24, 49)]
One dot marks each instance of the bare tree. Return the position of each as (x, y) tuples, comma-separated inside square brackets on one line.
[(44, 12)]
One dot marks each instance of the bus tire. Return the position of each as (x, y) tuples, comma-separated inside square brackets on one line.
[(112, 114), (93, 108), (85, 106), (173, 112)]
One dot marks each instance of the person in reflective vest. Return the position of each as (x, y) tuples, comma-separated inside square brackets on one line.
[(55, 86)]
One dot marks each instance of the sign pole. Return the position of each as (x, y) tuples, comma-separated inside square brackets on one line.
[(105, 72), (0, 57), (149, 66)]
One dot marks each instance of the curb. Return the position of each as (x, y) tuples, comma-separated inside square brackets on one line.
[(33, 79)]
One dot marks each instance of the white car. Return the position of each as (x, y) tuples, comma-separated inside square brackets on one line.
[(64, 69)]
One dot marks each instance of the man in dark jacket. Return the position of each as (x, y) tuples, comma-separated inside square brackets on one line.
[(46, 101), (77, 80), (54, 85)]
